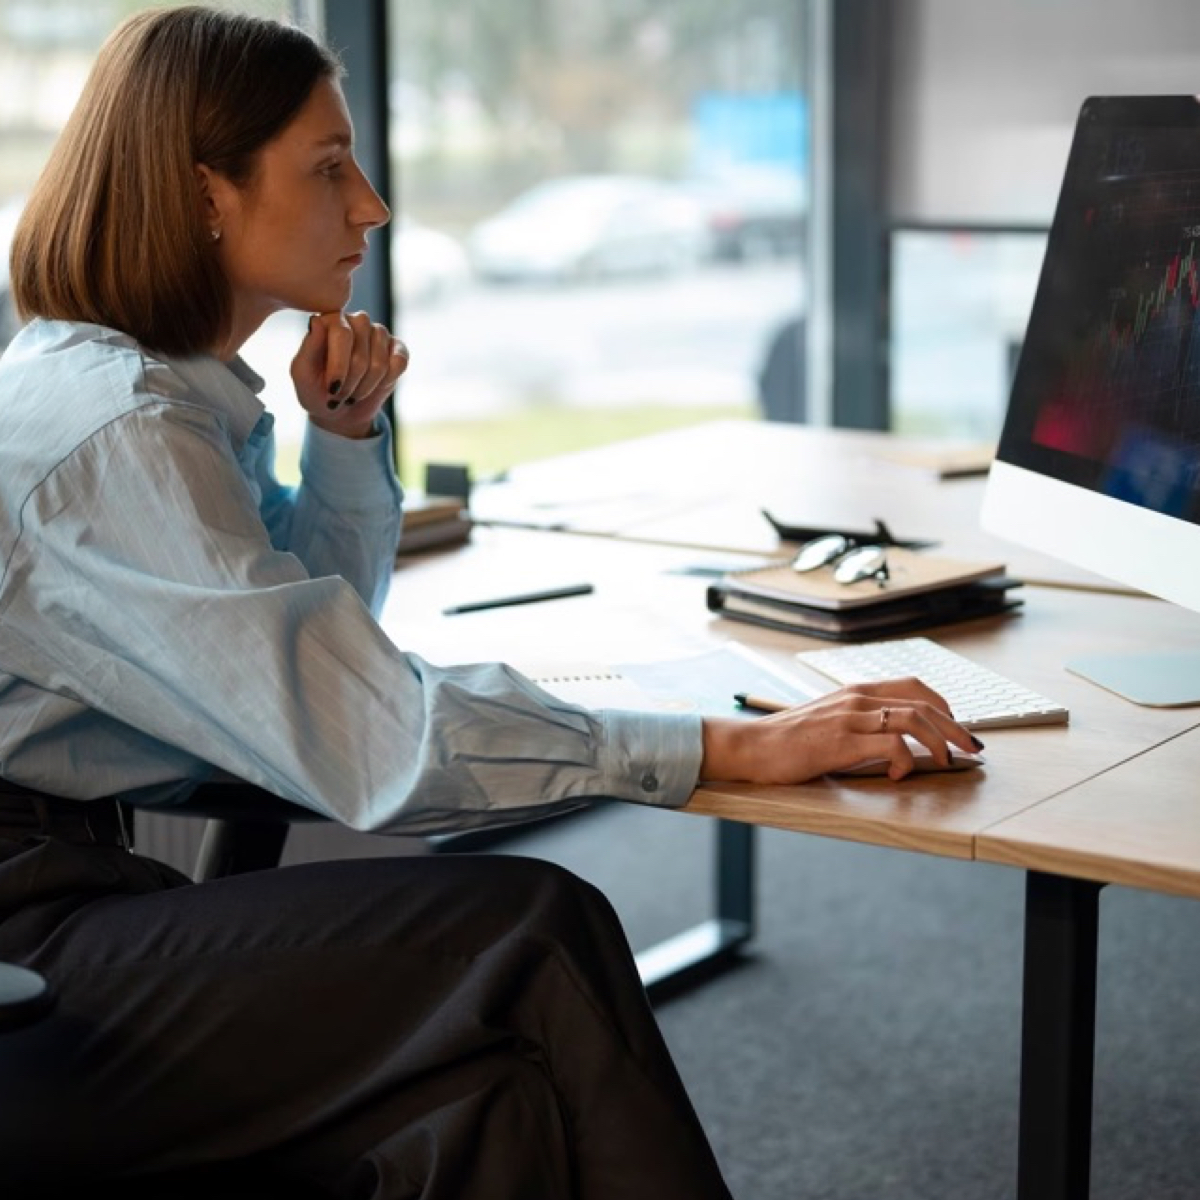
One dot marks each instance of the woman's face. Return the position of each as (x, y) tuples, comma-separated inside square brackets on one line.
[(292, 237)]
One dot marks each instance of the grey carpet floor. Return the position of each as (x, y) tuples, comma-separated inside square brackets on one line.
[(868, 1046)]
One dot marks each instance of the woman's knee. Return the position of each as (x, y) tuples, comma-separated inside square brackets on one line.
[(560, 899)]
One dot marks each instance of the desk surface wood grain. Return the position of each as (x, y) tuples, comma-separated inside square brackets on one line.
[(642, 610), (705, 486), (1137, 824)]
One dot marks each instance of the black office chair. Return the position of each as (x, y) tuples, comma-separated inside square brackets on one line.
[(233, 842), (246, 830)]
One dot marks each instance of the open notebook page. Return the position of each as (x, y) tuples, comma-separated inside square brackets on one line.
[(703, 684)]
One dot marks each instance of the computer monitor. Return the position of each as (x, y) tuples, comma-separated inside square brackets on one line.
[(1099, 459)]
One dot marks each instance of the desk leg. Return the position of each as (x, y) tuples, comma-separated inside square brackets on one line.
[(1058, 1038), (697, 953)]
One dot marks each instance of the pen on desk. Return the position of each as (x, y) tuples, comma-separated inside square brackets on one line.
[(558, 593), (759, 703)]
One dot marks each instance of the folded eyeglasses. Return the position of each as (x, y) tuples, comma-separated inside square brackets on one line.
[(851, 560)]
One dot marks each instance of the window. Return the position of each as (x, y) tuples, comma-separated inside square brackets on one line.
[(601, 217), (959, 303)]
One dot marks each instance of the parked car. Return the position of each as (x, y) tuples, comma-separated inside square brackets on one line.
[(427, 264), (753, 210), (589, 226)]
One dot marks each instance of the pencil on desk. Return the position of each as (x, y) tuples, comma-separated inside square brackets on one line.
[(759, 703), (557, 593)]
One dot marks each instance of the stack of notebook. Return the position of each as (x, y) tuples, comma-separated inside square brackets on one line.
[(922, 590), (433, 521)]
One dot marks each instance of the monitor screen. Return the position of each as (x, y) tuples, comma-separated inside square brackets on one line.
[(1099, 458)]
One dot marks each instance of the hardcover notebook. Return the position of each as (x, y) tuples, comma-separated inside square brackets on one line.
[(431, 520), (909, 573), (923, 590)]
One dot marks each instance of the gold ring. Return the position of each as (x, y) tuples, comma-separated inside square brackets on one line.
[(884, 716)]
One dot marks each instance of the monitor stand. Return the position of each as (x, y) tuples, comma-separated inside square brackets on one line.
[(1155, 680)]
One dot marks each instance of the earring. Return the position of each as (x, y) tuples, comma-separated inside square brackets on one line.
[(216, 235)]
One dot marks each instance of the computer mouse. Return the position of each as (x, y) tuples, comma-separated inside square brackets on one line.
[(960, 760)]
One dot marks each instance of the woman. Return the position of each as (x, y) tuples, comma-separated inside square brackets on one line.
[(170, 615)]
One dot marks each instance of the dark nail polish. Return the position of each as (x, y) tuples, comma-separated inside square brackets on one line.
[(335, 387), (332, 404), (976, 742), (351, 400)]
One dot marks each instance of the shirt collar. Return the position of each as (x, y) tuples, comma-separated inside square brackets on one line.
[(232, 388)]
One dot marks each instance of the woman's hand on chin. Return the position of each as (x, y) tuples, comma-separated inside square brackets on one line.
[(345, 369)]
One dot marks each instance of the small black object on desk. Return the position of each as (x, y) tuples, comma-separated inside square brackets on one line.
[(558, 593), (881, 535)]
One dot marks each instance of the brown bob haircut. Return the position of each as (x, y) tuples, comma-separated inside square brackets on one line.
[(114, 230)]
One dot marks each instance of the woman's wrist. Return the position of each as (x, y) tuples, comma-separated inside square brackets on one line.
[(340, 429), (726, 755)]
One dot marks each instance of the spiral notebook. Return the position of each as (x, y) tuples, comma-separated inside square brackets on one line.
[(702, 683)]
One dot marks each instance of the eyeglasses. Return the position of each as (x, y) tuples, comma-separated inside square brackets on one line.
[(852, 563)]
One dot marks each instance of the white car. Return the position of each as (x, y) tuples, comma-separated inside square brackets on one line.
[(427, 265), (588, 226)]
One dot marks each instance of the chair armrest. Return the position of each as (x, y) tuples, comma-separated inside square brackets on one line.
[(25, 997), (234, 800), (245, 827)]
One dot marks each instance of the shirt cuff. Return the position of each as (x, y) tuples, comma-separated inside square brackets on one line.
[(653, 758), (341, 469)]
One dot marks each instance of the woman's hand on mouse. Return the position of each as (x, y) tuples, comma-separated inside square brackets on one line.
[(346, 367), (837, 731)]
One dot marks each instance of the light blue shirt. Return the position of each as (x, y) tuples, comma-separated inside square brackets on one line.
[(170, 611)]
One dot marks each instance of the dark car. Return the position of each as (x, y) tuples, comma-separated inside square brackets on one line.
[(753, 210)]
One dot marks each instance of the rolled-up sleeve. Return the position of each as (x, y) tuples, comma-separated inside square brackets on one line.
[(157, 598)]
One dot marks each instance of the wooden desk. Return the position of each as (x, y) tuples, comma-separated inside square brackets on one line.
[(1137, 824), (705, 487), (946, 814), (642, 611)]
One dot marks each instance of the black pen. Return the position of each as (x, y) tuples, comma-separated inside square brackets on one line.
[(759, 704), (558, 593)]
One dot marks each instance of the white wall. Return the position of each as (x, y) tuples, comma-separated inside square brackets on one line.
[(985, 94)]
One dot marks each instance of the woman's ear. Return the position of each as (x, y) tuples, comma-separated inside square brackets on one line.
[(216, 197)]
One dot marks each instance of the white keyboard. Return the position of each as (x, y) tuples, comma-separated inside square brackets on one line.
[(978, 697)]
